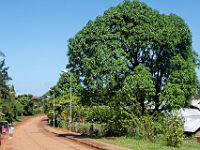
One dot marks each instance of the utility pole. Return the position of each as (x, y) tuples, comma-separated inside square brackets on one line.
[(53, 108), (54, 112), (70, 106), (70, 103)]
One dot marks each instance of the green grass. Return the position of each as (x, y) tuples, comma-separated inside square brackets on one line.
[(138, 144)]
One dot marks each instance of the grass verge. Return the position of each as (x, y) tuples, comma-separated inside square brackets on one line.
[(138, 144)]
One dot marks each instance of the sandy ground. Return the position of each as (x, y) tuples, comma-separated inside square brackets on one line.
[(30, 135)]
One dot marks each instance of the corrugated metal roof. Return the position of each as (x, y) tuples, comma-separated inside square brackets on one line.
[(192, 119)]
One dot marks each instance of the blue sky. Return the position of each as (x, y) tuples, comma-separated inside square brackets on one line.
[(34, 34)]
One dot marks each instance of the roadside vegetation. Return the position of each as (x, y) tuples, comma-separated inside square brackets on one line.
[(140, 144), (130, 69), (13, 107)]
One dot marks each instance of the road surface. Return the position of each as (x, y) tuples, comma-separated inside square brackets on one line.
[(30, 135)]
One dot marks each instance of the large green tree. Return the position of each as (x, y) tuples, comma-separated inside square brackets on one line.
[(107, 50), (4, 78)]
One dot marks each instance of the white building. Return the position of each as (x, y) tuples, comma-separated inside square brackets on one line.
[(191, 117)]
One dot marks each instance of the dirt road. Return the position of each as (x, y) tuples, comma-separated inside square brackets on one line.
[(30, 135)]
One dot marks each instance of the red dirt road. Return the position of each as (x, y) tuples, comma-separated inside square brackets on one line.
[(30, 135)]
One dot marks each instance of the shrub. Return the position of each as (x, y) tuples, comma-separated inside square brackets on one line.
[(79, 113), (144, 127), (90, 128), (37, 110), (174, 131), (81, 127), (62, 124), (100, 114), (100, 129)]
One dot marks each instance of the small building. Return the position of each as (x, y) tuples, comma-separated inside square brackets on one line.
[(191, 117)]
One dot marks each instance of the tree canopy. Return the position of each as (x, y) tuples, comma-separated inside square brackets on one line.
[(62, 87), (107, 52), (4, 78)]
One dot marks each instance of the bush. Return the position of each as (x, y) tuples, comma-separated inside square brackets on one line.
[(62, 124), (144, 127), (90, 128), (100, 114), (100, 129), (174, 131), (37, 110), (81, 127), (79, 113)]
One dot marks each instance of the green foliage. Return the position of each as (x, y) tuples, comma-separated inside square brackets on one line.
[(174, 131), (57, 100), (105, 55), (127, 67), (19, 108), (27, 103), (80, 113), (139, 88), (10, 105), (4, 78), (81, 127), (62, 124), (8, 110), (90, 128), (60, 107), (100, 129), (6, 101), (62, 87), (37, 111), (145, 127), (181, 84), (100, 114), (120, 119)]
